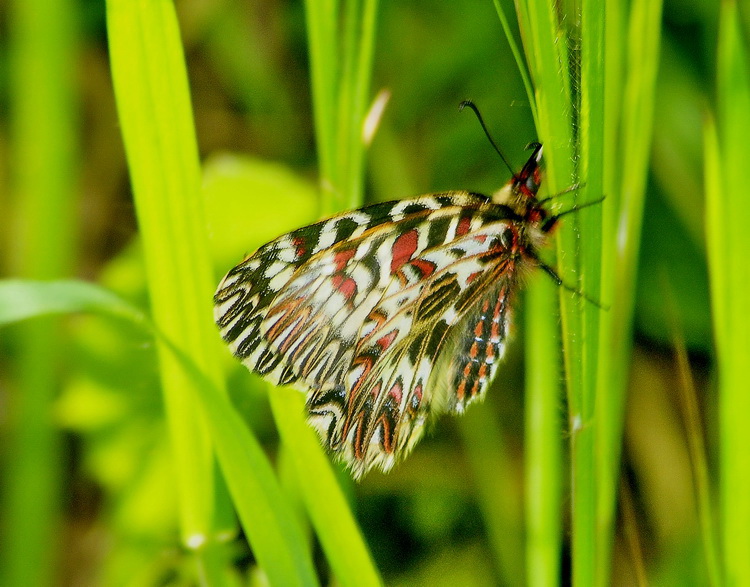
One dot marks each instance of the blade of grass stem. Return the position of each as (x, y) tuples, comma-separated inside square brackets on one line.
[(22, 299), (699, 464), (326, 504), (341, 68), (155, 113), (623, 232), (727, 219), (522, 69), (543, 479), (591, 135), (355, 85), (341, 65), (551, 70), (42, 52), (322, 30), (269, 522), (492, 469)]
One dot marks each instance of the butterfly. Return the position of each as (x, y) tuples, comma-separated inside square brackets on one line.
[(390, 314)]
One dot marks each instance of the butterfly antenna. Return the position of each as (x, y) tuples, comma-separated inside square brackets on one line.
[(473, 106)]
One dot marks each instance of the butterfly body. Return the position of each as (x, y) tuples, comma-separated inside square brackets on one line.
[(388, 314)]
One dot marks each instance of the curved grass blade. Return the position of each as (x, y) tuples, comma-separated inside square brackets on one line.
[(267, 519)]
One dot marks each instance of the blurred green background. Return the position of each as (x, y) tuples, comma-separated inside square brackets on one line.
[(106, 483)]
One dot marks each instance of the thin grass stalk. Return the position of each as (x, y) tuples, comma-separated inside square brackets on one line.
[(543, 463), (154, 109), (591, 138), (549, 48), (43, 120), (728, 240), (346, 120), (614, 55), (323, 38), (353, 85), (491, 466), (520, 62), (698, 459), (360, 97), (322, 29), (341, 82), (544, 454), (623, 233), (325, 502), (269, 523)]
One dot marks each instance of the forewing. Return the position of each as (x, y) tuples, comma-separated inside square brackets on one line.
[(356, 309), (290, 310)]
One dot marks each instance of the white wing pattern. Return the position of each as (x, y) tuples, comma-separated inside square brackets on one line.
[(388, 314)]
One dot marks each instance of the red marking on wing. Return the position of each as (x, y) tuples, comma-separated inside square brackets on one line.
[(367, 363), (359, 437), (287, 310), (346, 286), (495, 328), (299, 246), (342, 258), (482, 371), (403, 248), (378, 317), (479, 329), (385, 341), (397, 391), (414, 401), (461, 390), (464, 224), (426, 268), (304, 316)]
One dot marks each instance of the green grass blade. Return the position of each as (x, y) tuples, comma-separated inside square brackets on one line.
[(322, 32), (623, 212), (544, 454), (326, 504), (728, 238), (698, 458), (22, 299), (523, 70), (43, 146), (341, 85), (359, 47), (268, 520), (591, 136), (153, 102), (551, 70)]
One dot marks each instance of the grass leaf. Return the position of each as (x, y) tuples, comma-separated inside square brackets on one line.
[(728, 238), (266, 517)]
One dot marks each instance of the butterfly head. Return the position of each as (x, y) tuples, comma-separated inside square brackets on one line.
[(520, 192)]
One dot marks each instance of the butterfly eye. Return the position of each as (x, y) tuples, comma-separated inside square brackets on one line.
[(532, 183)]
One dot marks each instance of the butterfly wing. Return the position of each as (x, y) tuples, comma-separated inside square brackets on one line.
[(426, 352), (356, 309)]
